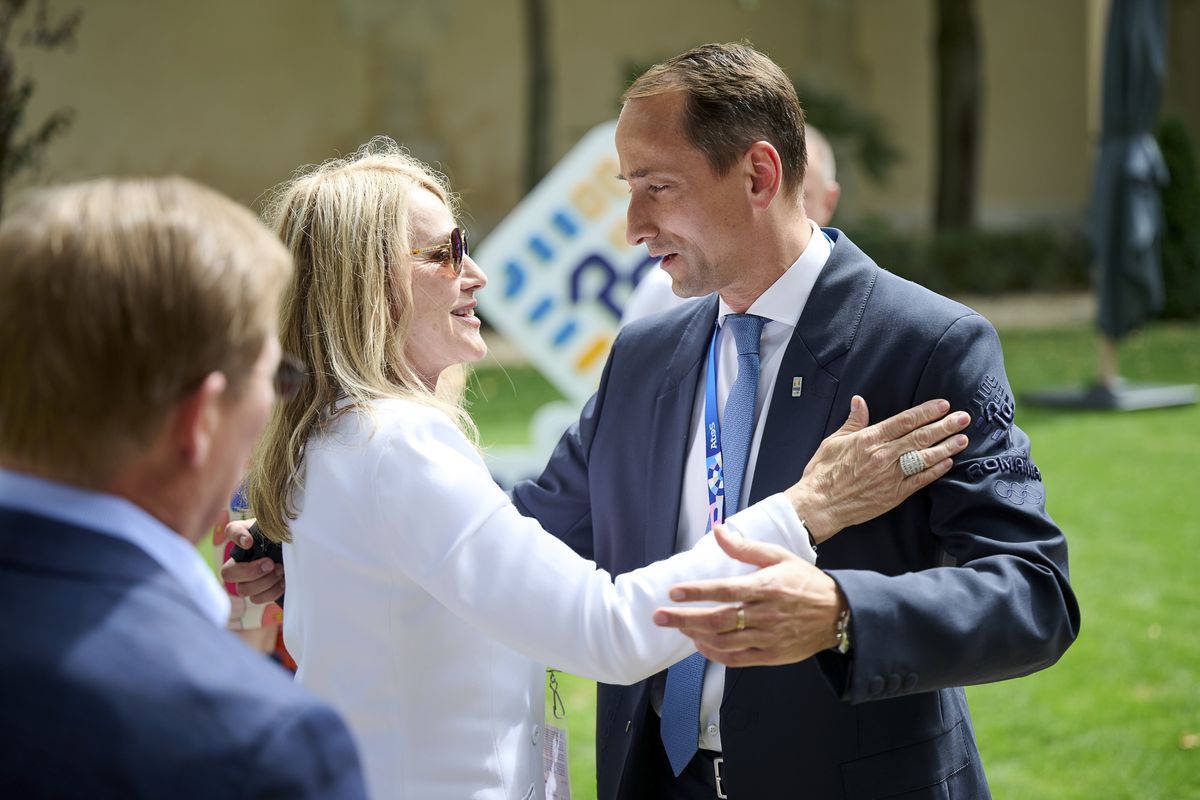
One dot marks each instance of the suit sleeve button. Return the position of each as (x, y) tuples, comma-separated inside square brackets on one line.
[(874, 686), (893, 683)]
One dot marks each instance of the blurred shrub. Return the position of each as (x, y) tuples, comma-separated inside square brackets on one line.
[(981, 261), (852, 131), (1181, 208)]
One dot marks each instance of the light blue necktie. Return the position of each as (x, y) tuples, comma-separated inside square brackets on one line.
[(680, 728)]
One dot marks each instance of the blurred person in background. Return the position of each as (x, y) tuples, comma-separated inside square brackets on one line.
[(139, 364)]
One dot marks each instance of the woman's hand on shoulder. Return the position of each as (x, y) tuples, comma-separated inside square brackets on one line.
[(856, 474)]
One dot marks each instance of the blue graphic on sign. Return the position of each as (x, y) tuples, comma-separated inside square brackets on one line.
[(564, 267), (562, 270), (565, 334), (592, 264), (565, 225), (540, 249), (541, 309), (514, 279)]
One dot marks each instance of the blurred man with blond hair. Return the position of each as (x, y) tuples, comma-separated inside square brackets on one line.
[(139, 364)]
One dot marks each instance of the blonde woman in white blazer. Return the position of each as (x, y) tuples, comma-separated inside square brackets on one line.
[(420, 602)]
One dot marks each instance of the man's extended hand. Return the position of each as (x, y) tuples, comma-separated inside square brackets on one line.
[(790, 608), (260, 580)]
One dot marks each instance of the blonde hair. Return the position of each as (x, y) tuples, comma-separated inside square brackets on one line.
[(117, 297), (348, 311), (734, 96)]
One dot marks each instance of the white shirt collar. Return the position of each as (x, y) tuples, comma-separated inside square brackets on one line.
[(117, 517), (784, 300)]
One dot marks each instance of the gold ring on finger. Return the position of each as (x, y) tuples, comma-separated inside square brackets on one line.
[(741, 619)]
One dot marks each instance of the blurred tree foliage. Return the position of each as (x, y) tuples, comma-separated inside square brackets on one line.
[(1181, 208), (19, 152), (857, 133), (980, 261)]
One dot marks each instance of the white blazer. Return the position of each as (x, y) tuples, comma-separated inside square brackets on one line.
[(424, 606)]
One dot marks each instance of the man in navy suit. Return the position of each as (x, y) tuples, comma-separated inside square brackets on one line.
[(138, 324), (966, 582)]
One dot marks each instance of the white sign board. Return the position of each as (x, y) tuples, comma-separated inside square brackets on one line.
[(560, 269)]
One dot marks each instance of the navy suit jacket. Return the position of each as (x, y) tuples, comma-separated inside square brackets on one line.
[(114, 685), (965, 582)]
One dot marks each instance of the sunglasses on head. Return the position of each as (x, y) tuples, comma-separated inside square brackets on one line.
[(452, 252)]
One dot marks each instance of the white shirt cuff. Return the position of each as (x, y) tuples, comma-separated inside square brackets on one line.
[(775, 512)]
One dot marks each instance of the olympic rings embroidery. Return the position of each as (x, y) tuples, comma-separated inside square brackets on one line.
[(1018, 493)]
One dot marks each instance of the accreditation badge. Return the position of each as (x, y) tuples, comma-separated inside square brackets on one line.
[(555, 769), (554, 763)]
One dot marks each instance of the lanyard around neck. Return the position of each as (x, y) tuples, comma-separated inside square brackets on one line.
[(714, 467), (714, 471)]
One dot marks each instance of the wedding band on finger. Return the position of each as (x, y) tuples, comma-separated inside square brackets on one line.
[(741, 619), (911, 463)]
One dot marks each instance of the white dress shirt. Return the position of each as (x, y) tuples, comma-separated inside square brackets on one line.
[(782, 305), (423, 605), (109, 515)]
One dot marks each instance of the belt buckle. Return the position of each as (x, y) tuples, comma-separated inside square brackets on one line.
[(717, 762)]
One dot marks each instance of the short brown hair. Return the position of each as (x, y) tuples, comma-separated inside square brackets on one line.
[(117, 297), (735, 96)]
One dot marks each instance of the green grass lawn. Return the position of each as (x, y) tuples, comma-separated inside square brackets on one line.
[(1118, 717)]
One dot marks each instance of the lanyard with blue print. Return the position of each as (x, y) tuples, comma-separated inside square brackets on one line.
[(713, 465), (712, 439)]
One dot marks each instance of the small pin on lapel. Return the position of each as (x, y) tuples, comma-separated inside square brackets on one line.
[(797, 386)]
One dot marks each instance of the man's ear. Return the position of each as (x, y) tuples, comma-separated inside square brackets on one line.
[(196, 417), (764, 171)]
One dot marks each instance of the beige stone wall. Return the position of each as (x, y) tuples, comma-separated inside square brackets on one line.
[(892, 41), (1035, 149), (239, 92), (233, 93), (1037, 154)]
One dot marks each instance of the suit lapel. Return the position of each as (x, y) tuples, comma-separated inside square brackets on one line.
[(671, 430), (795, 426), (825, 331)]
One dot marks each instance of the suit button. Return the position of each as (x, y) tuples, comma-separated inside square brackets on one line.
[(910, 683), (535, 735), (893, 683), (874, 686)]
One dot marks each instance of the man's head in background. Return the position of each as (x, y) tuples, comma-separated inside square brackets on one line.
[(821, 189), (137, 341)]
